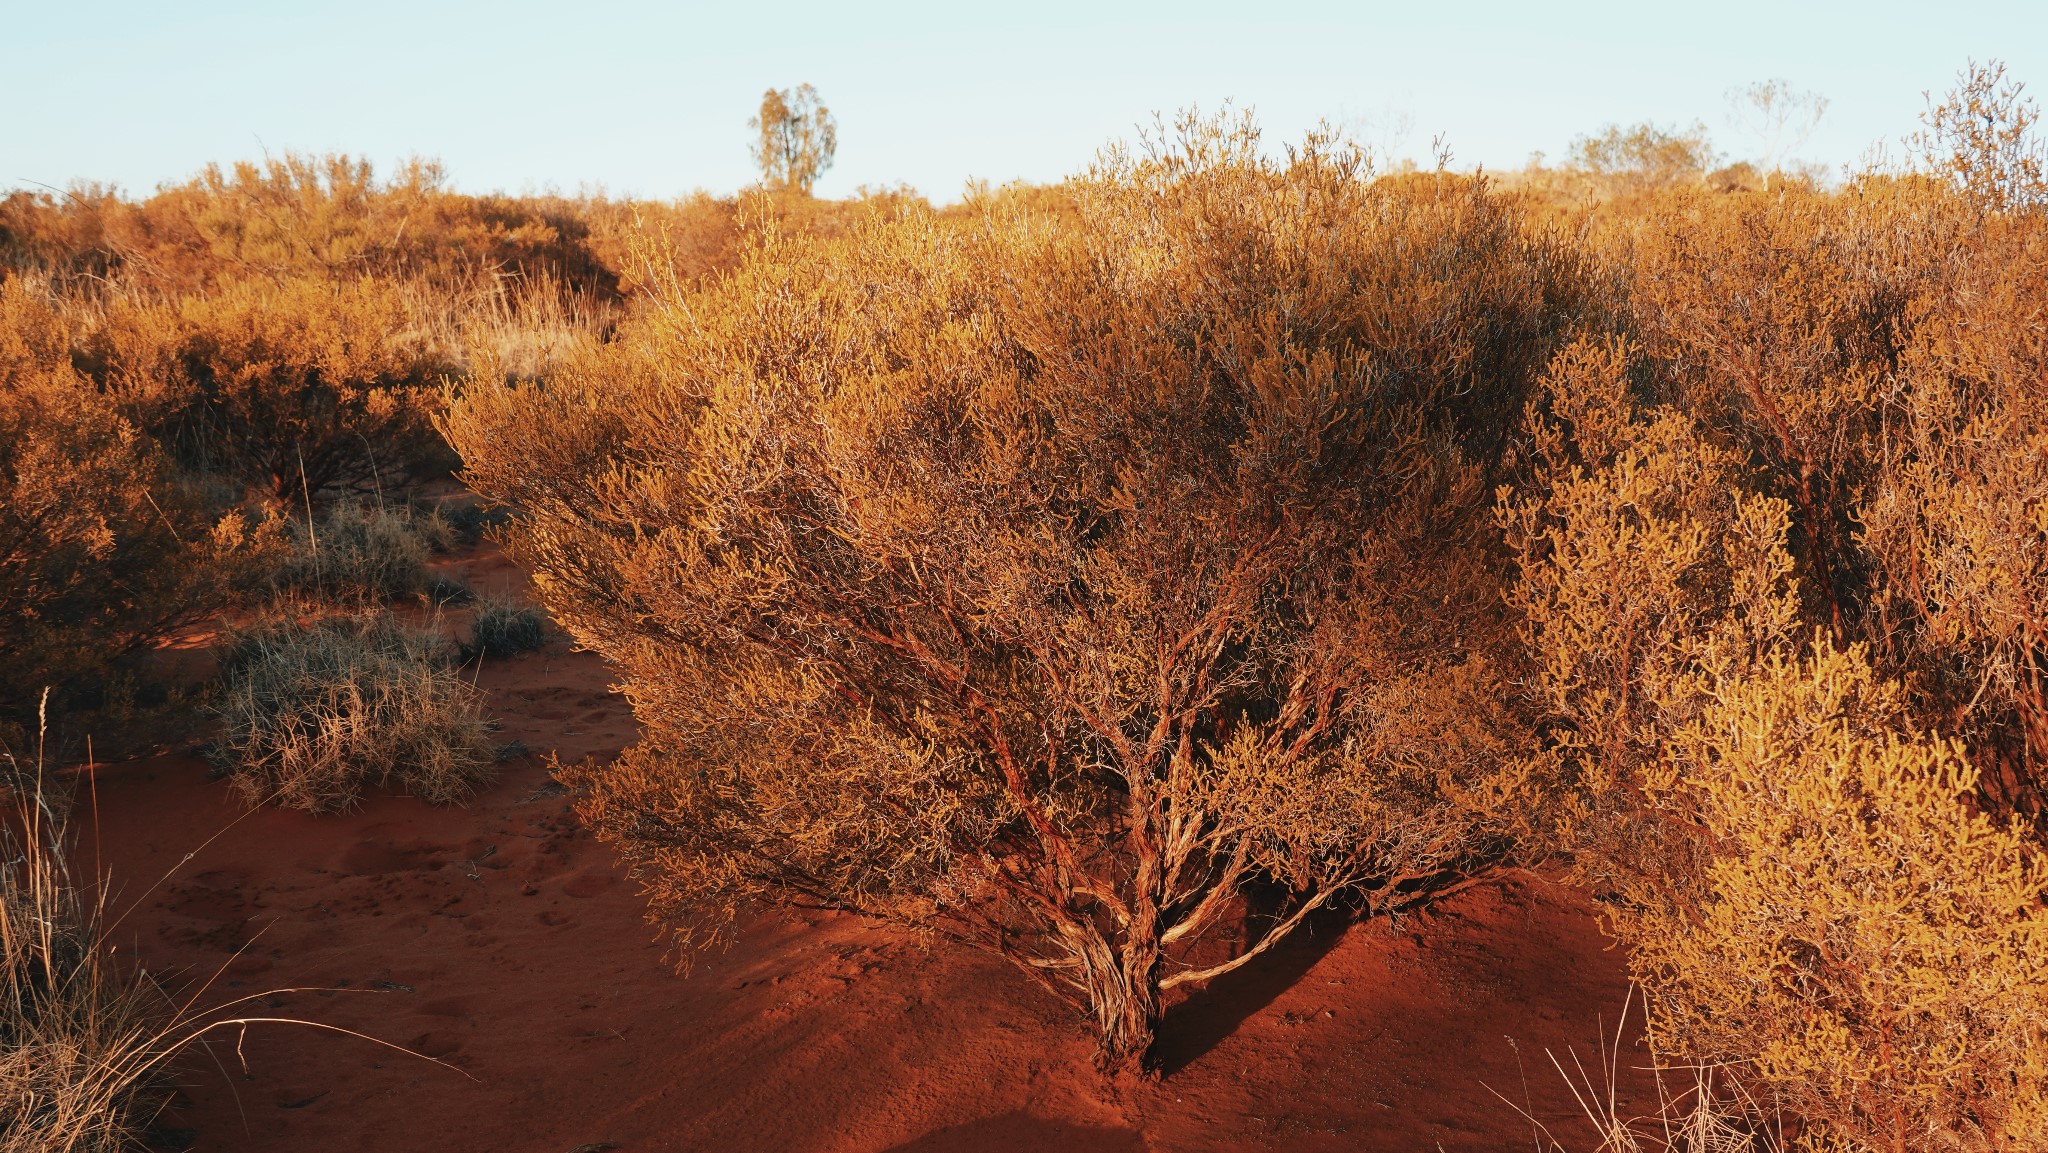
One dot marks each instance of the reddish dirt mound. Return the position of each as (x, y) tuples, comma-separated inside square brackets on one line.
[(501, 939)]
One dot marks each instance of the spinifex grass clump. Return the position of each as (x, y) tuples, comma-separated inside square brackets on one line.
[(362, 551), (81, 1039), (313, 715)]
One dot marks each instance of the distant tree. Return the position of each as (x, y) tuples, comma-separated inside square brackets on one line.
[(1644, 157), (798, 137), (1780, 117), (1981, 136)]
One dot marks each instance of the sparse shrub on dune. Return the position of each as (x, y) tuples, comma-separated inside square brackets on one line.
[(313, 715)]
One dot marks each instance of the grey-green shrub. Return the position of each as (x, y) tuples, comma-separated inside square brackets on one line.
[(365, 552), (502, 628)]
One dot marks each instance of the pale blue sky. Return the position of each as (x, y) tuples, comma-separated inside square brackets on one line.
[(651, 99)]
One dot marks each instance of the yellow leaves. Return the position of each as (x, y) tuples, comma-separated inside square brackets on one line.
[(1048, 582), (1812, 890), (1869, 938)]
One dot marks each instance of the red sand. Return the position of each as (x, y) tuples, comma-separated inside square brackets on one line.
[(504, 940)]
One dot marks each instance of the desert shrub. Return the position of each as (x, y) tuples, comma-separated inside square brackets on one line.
[(59, 237), (104, 548), (1046, 587), (1952, 520), (288, 387), (1870, 357), (647, 244), (364, 551), (313, 715), (1775, 321), (503, 628), (1646, 572), (83, 1038), (1872, 946), (1816, 903)]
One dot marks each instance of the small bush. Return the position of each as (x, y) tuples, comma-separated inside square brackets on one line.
[(365, 552), (315, 714), (505, 629)]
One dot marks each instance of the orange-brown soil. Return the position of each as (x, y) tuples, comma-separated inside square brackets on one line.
[(503, 940)]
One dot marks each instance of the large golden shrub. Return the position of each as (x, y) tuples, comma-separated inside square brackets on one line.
[(1044, 586), (1816, 903)]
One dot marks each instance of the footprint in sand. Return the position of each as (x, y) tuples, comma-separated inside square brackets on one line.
[(589, 883), (376, 858)]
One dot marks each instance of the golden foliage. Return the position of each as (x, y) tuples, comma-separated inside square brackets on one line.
[(1051, 570), (287, 387), (1043, 586), (1955, 522), (296, 216), (1872, 944), (103, 548), (1814, 899)]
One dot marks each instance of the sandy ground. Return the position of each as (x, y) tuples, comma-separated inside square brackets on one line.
[(504, 941)]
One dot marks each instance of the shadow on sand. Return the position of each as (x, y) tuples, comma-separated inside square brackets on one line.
[(1023, 1133), (1214, 1012)]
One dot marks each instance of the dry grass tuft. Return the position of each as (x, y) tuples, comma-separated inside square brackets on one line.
[(313, 715), (82, 1038), (87, 1039), (1699, 1108)]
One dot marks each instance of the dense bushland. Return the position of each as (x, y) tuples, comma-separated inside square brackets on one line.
[(1046, 577), (286, 388), (189, 379), (1780, 553), (1077, 568)]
